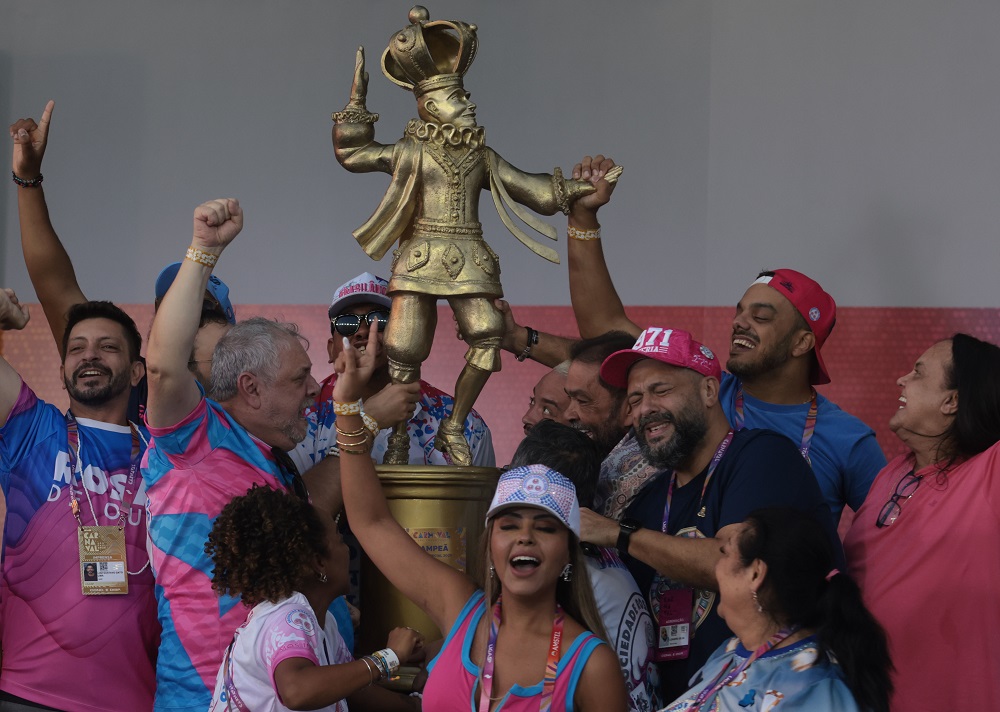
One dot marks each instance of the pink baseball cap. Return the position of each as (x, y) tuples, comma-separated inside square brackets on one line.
[(814, 304), (671, 346)]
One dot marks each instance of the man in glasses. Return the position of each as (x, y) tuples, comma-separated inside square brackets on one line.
[(925, 545), (357, 306), (205, 451)]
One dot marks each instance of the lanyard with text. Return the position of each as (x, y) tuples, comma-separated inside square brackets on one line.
[(103, 567), (555, 650), (725, 678), (716, 459), (807, 431)]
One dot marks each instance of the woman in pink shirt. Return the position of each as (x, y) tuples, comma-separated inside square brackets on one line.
[(522, 643), (925, 546)]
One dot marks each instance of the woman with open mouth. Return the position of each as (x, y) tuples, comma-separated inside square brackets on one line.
[(525, 638)]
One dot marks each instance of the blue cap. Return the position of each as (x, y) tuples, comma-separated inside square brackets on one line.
[(216, 288)]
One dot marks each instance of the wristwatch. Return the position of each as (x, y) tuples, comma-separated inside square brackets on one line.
[(626, 527)]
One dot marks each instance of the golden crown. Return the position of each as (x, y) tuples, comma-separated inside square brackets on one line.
[(429, 55)]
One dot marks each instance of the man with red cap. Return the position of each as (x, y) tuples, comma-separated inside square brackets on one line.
[(713, 476), (775, 360)]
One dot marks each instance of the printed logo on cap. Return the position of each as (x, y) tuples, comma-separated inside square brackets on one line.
[(814, 314), (534, 486), (707, 352)]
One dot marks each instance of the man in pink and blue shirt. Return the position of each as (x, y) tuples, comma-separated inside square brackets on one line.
[(63, 475), (205, 451)]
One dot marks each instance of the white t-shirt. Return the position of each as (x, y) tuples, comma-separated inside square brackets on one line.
[(629, 626), (274, 632)]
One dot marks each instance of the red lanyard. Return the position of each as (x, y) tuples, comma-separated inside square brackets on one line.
[(73, 439), (807, 431), (724, 679), (555, 650), (716, 459)]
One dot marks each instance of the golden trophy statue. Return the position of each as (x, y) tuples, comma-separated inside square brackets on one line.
[(439, 167)]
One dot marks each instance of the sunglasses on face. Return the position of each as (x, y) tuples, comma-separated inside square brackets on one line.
[(348, 324)]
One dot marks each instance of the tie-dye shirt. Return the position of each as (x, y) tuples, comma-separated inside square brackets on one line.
[(797, 678), (275, 632), (434, 405), (192, 470), (63, 649)]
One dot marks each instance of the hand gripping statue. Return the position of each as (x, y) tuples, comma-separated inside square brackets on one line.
[(431, 207)]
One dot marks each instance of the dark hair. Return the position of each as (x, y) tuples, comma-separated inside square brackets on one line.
[(262, 543), (799, 589), (565, 450), (595, 350), (103, 310), (975, 373)]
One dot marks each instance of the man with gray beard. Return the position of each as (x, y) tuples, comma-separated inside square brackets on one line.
[(712, 477)]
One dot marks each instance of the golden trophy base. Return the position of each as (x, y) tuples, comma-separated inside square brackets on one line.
[(443, 508)]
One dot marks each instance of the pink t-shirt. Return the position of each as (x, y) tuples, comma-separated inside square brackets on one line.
[(932, 579)]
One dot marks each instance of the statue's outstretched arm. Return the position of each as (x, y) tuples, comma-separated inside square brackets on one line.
[(354, 129)]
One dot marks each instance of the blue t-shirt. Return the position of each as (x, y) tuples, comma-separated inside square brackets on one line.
[(760, 469), (844, 453)]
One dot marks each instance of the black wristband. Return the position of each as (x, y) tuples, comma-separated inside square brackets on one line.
[(626, 528), (532, 340)]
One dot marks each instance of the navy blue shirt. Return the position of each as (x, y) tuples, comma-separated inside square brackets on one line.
[(761, 468)]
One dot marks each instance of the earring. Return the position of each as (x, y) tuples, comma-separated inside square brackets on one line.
[(760, 608), (323, 578), (567, 573), (493, 572)]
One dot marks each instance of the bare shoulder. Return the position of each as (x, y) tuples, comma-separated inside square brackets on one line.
[(602, 685)]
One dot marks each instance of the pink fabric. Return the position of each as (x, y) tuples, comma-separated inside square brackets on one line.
[(454, 678), (932, 578)]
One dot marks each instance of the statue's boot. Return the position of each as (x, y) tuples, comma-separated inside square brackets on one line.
[(451, 439)]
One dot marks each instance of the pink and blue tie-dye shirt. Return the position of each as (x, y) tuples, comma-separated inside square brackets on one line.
[(192, 470), (63, 649)]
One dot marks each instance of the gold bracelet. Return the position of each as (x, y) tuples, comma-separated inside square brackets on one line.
[(360, 441), (206, 259), (584, 235), (353, 434), (347, 408), (346, 447)]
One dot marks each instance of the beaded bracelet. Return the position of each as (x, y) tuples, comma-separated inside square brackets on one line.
[(583, 235), (207, 259), (27, 182), (347, 408)]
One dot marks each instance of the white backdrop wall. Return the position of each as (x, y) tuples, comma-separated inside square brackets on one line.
[(856, 140)]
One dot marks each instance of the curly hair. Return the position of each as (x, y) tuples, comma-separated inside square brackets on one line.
[(262, 544)]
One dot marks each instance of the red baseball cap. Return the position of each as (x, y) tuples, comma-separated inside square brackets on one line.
[(814, 304), (671, 346)]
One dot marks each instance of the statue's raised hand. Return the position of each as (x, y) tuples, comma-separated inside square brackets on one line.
[(359, 88)]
